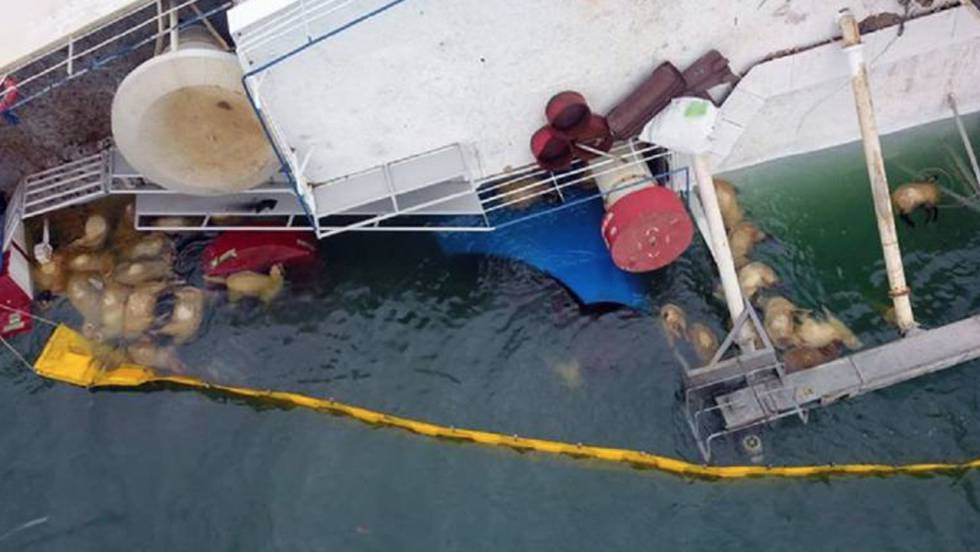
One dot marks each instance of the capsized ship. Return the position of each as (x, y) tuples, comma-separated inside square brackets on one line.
[(471, 119)]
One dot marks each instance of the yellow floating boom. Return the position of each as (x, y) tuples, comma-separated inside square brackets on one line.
[(70, 358)]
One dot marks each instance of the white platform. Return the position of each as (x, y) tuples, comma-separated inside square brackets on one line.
[(804, 102), (428, 73)]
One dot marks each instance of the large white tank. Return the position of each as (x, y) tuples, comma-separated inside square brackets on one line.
[(182, 119)]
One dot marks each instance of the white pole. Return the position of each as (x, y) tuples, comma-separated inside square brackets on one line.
[(899, 290), (174, 26), (966, 143), (718, 237)]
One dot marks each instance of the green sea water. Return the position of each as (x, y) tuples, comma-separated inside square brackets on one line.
[(395, 325)]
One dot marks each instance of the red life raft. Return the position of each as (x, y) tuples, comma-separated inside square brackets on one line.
[(257, 251)]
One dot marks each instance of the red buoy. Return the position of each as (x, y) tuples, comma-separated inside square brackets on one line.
[(257, 251), (647, 229)]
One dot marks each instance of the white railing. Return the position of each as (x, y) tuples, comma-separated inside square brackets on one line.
[(73, 56)]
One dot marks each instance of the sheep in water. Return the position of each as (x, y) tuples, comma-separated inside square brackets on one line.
[(731, 211), (141, 308), (113, 313), (704, 340), (815, 333), (137, 272), (252, 284), (100, 263), (187, 315), (85, 294), (909, 197), (145, 353), (741, 239), (802, 358), (153, 246), (779, 319), (755, 276), (674, 321)]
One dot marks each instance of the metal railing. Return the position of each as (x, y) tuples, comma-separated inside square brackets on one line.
[(79, 54)]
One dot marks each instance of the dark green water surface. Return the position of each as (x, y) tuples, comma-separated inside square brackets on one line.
[(396, 326)]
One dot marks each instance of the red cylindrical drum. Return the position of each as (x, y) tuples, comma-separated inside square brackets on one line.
[(551, 148), (647, 229), (595, 135), (568, 111)]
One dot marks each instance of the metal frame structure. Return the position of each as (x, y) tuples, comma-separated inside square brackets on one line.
[(752, 380), (107, 173)]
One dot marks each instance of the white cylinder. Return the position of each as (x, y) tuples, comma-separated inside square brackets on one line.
[(619, 177), (182, 119)]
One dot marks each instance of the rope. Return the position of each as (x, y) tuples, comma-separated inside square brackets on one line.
[(69, 357), (16, 353), (47, 321)]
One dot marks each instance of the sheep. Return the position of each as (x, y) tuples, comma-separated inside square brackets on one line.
[(731, 211), (820, 333), (113, 313), (741, 239), (187, 315), (779, 319), (910, 196), (95, 233), (252, 284), (134, 273), (141, 308), (704, 340), (674, 321), (755, 276)]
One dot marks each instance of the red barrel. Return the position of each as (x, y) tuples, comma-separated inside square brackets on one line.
[(647, 229), (552, 149), (595, 135), (568, 111)]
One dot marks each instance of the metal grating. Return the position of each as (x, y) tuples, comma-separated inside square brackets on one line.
[(69, 184)]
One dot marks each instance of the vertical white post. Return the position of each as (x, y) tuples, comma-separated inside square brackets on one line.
[(899, 290), (718, 236), (966, 143), (174, 25)]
